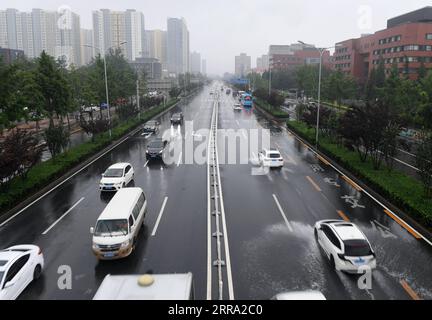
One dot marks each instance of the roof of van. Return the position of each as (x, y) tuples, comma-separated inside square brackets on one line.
[(116, 208), (164, 287)]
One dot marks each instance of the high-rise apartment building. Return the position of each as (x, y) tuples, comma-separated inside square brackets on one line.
[(204, 67), (55, 32), (195, 61), (178, 54), (119, 29), (86, 44), (156, 46), (242, 65)]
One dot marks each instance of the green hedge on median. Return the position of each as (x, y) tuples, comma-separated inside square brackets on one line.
[(402, 190), (275, 112), (45, 172)]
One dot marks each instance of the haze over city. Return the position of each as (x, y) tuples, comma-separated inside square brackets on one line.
[(223, 29)]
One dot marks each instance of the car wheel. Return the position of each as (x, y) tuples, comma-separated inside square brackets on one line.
[(332, 262), (37, 272)]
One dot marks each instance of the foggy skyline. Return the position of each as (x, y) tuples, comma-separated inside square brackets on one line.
[(223, 29)]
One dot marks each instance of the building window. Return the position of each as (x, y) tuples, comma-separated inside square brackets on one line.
[(428, 36)]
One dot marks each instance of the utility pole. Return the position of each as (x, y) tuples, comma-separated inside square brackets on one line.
[(138, 99)]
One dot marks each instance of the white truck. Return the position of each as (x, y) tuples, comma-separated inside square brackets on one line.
[(147, 287)]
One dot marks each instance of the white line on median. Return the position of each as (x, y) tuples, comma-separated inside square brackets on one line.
[(406, 164), (64, 215), (159, 217), (180, 159), (282, 213)]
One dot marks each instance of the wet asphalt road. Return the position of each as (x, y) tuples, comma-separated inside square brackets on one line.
[(268, 256)]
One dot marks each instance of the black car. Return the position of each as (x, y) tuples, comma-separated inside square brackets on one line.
[(151, 127), (177, 118), (156, 148)]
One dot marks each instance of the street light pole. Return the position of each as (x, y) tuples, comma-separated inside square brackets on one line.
[(106, 80), (321, 52), (107, 96)]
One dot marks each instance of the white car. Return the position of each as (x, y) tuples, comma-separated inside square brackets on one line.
[(116, 177), (271, 158), (19, 266), (237, 107), (345, 245)]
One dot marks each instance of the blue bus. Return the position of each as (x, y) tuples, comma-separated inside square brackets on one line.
[(247, 100)]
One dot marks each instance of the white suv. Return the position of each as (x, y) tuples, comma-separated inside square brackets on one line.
[(345, 245), (116, 177), (271, 158)]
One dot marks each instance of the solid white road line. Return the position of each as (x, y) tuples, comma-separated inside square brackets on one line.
[(64, 215), (244, 134), (225, 230), (408, 153), (282, 213), (159, 217), (146, 163), (406, 164), (180, 159), (238, 123)]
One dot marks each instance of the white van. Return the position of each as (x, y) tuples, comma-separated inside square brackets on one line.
[(117, 228)]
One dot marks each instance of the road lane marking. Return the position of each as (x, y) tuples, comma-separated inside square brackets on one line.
[(314, 184), (244, 134), (64, 215), (403, 224), (282, 213), (343, 216), (180, 159), (406, 164), (409, 290), (238, 123), (408, 153), (352, 183), (146, 163), (159, 217)]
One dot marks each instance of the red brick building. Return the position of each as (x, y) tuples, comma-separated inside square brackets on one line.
[(406, 41), (285, 57)]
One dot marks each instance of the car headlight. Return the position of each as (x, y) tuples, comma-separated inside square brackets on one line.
[(161, 152), (95, 246), (125, 244), (147, 151)]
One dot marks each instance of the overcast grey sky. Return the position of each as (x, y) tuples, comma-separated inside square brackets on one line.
[(222, 29)]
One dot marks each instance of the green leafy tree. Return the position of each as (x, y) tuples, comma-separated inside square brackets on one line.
[(54, 87), (424, 163), (57, 138)]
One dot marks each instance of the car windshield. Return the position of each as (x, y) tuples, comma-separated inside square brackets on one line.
[(156, 144), (357, 248), (114, 173), (107, 228), (1, 276), (176, 116), (274, 155), (151, 124)]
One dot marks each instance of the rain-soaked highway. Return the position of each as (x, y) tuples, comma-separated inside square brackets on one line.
[(269, 220)]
